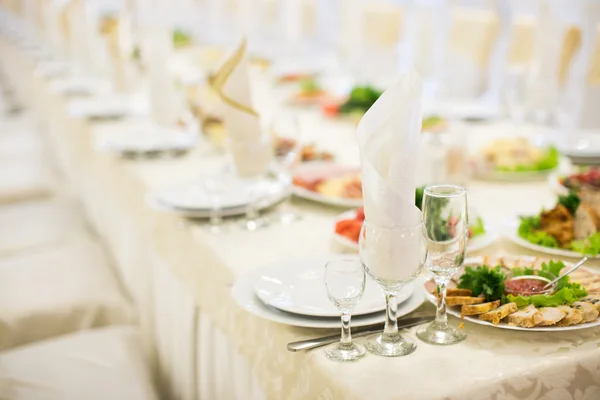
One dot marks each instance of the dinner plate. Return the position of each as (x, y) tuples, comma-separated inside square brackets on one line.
[(148, 139), (191, 200), (107, 107), (475, 244), (512, 234), (455, 311), (582, 147), (316, 170), (80, 85), (297, 286), (243, 294)]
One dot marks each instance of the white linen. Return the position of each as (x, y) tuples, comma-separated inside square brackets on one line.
[(34, 225), (100, 364), (388, 138), (57, 291), (24, 179)]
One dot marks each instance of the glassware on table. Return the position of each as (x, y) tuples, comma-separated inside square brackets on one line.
[(213, 190), (446, 231), (393, 258), (286, 131), (515, 94), (251, 159), (345, 282)]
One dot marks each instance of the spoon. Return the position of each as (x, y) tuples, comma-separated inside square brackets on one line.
[(576, 266)]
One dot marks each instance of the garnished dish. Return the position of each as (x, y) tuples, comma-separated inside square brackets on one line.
[(308, 153), (328, 183), (349, 224), (309, 93), (585, 177), (516, 158), (571, 228), (509, 293)]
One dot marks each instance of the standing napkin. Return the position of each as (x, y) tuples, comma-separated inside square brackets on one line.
[(251, 151), (388, 138)]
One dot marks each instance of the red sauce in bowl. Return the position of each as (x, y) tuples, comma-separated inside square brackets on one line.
[(526, 286)]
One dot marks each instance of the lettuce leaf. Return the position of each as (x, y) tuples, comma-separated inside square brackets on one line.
[(549, 160), (478, 228), (484, 280), (566, 295), (528, 230), (590, 246)]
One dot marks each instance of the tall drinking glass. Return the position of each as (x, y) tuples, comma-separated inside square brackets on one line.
[(393, 258), (345, 282), (446, 231)]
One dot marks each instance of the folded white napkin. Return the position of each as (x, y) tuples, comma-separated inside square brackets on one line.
[(388, 138), (251, 149)]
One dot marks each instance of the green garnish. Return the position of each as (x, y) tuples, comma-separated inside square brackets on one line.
[(570, 202), (309, 86), (430, 122), (484, 280), (529, 230), (360, 100), (590, 246), (550, 160), (181, 39), (478, 228)]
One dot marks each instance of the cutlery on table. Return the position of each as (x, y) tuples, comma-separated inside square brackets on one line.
[(322, 341)]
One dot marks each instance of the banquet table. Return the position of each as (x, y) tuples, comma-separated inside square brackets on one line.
[(205, 346)]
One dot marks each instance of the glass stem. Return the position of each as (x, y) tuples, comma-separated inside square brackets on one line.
[(251, 208), (346, 339), (441, 319), (391, 321)]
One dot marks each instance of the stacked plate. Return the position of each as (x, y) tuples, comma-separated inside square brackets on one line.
[(292, 292), (231, 194)]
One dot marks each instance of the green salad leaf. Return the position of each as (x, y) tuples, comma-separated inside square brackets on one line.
[(566, 295), (590, 246), (309, 86), (181, 39), (478, 228), (528, 230), (550, 160), (520, 271), (484, 280), (360, 100)]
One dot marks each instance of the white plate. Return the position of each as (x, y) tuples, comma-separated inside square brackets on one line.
[(512, 233), (80, 85), (194, 203), (107, 107), (243, 294), (317, 170), (475, 244), (297, 286), (503, 325), (582, 147), (146, 139)]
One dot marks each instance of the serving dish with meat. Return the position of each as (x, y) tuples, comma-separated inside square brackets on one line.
[(571, 228), (506, 293)]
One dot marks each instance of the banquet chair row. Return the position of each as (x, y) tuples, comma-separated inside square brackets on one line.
[(67, 330)]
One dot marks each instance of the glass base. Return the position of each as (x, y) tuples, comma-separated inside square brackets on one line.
[(287, 218), (442, 335), (390, 345), (345, 353), (254, 224)]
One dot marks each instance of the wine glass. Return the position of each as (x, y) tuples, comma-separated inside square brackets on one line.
[(515, 95), (286, 132), (251, 159), (393, 258), (345, 283), (446, 231), (214, 189)]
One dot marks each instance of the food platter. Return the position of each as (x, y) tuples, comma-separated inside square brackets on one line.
[(476, 243), (514, 261), (333, 177), (511, 233)]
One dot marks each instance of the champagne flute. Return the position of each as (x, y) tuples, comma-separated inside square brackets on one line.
[(446, 231), (393, 258), (345, 282)]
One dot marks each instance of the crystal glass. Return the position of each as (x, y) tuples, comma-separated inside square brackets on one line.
[(446, 231), (251, 159), (286, 131), (515, 94), (345, 282), (213, 189), (393, 258)]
